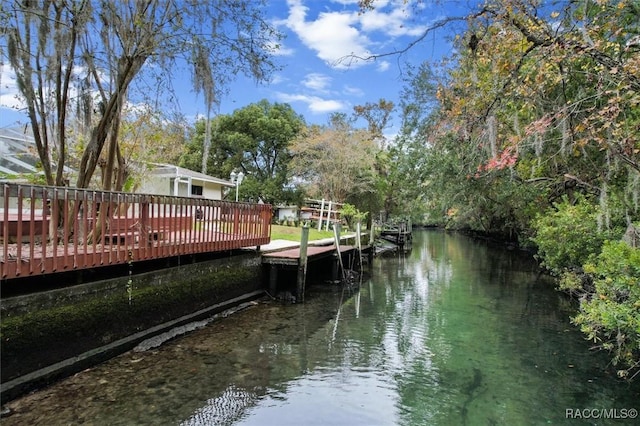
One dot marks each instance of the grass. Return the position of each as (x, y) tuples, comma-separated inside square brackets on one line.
[(290, 233)]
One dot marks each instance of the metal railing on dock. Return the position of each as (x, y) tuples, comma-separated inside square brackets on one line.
[(45, 230)]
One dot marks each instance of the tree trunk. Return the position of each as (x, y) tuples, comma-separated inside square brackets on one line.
[(207, 141)]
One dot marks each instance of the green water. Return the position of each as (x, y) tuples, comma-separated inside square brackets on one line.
[(453, 333)]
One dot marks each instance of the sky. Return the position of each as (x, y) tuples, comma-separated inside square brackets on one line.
[(317, 78)]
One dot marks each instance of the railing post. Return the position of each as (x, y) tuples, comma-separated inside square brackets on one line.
[(144, 221), (236, 220), (321, 213)]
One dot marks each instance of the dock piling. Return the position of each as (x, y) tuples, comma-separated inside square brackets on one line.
[(359, 244), (336, 236), (302, 264)]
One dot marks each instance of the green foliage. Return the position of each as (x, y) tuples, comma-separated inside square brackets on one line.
[(254, 139), (611, 316), (569, 237), (336, 161), (352, 215), (571, 282)]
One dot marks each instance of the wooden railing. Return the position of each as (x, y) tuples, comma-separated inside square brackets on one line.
[(45, 230)]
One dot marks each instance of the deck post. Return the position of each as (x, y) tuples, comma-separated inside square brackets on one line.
[(302, 264)]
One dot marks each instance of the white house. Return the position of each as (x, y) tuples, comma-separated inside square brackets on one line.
[(167, 179)]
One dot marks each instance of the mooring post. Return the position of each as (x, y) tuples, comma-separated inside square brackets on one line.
[(336, 236), (302, 263), (372, 240), (359, 244)]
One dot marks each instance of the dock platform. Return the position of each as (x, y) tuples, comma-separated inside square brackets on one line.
[(291, 257), (294, 259)]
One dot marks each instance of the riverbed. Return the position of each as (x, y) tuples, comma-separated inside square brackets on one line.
[(454, 332)]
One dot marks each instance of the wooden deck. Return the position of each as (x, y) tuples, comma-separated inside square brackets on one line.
[(291, 257), (138, 228)]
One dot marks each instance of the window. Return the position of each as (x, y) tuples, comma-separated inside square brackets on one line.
[(196, 190)]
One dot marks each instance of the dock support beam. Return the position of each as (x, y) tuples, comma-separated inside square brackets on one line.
[(273, 279), (336, 242), (302, 264), (335, 269)]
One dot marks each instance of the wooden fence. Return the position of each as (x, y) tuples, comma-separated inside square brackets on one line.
[(44, 230)]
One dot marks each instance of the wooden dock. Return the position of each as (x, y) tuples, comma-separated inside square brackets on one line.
[(291, 257), (398, 234), (294, 259)]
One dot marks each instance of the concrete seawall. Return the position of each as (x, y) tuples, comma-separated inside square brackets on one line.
[(48, 335)]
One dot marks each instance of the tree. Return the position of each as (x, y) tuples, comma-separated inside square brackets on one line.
[(335, 161), (103, 46), (255, 140), (530, 101), (377, 116), (148, 136)]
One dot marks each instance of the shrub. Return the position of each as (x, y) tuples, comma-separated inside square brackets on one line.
[(568, 237), (352, 215), (611, 315)]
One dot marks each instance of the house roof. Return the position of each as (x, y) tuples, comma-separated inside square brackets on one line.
[(169, 170), (17, 151)]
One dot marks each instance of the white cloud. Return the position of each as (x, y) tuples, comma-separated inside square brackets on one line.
[(277, 79), (279, 49), (332, 35), (383, 66), (9, 94), (11, 100), (392, 23), (346, 2), (316, 81), (353, 91), (315, 104), (344, 38)]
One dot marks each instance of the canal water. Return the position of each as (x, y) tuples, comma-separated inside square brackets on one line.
[(453, 333)]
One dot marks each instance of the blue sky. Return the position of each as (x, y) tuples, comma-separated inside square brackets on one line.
[(313, 79)]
